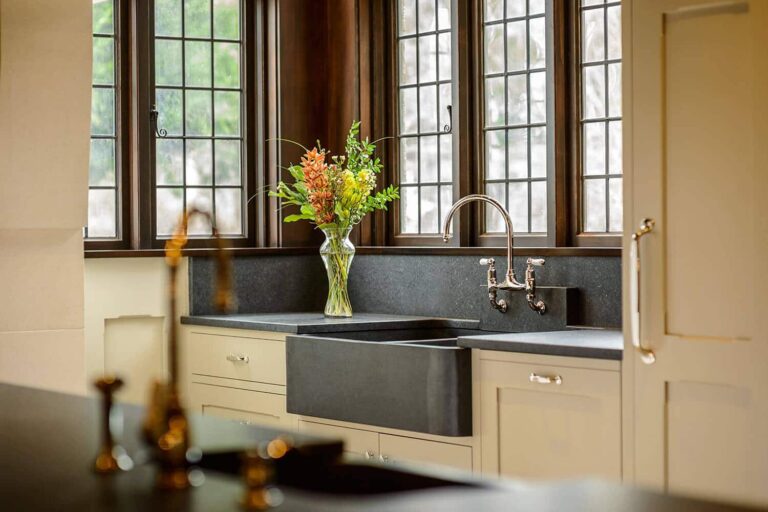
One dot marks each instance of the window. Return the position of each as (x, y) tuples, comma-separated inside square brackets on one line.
[(540, 134), (601, 116), (199, 98), (189, 91), (515, 113), (104, 170), (424, 105)]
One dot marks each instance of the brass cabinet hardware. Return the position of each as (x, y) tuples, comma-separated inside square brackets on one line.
[(646, 355)]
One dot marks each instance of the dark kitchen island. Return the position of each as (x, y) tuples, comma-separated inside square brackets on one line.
[(48, 441)]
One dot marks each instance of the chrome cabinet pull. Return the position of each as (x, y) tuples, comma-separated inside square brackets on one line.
[(545, 379), (238, 358), (383, 458), (369, 455), (646, 355)]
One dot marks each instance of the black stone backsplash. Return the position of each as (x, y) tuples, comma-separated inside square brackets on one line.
[(429, 285)]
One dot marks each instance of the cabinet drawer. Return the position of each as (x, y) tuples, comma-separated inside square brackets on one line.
[(231, 357), (362, 443), (532, 376), (251, 407), (397, 448)]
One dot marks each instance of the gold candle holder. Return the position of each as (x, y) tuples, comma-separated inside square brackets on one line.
[(111, 457)]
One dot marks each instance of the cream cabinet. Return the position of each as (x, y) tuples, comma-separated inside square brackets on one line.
[(547, 417), (237, 374), (392, 448)]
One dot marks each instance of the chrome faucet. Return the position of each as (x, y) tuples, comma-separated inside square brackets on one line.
[(510, 280)]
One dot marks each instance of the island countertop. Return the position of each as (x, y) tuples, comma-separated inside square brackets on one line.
[(317, 323), (591, 343), (48, 441)]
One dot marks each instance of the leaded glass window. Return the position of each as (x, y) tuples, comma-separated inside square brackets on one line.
[(515, 112), (601, 116), (424, 110), (104, 172), (199, 99)]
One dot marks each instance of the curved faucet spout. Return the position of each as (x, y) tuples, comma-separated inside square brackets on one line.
[(511, 281)]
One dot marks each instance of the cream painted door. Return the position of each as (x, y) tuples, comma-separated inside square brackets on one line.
[(696, 151), (543, 421)]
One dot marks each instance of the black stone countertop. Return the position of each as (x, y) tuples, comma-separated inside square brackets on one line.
[(48, 440), (591, 343), (316, 323)]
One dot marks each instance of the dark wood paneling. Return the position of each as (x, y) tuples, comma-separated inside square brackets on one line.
[(318, 80)]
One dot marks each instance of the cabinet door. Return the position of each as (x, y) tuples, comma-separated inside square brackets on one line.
[(251, 407), (698, 126), (533, 428), (407, 449), (357, 443)]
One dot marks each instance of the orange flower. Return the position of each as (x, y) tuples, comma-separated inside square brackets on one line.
[(318, 185)]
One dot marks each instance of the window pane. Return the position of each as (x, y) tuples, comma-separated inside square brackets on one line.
[(495, 163), (516, 46), (197, 64), (168, 18), (101, 213), (425, 94), (167, 62), (427, 58), (102, 163), (601, 99), (197, 18), (409, 210), (517, 156), (226, 19), (227, 110), (427, 15), (198, 113), (103, 61), (169, 161), (428, 160), (228, 162), (446, 201), (170, 111), (229, 207), (494, 10), (103, 17), (226, 65), (494, 48), (202, 199), (200, 161), (594, 205), (408, 61), (169, 207), (103, 111)]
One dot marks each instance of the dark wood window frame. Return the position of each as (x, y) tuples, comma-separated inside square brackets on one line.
[(564, 190), (136, 142)]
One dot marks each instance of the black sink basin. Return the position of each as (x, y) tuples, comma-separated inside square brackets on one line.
[(408, 379)]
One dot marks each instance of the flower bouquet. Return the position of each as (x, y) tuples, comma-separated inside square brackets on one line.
[(335, 196)]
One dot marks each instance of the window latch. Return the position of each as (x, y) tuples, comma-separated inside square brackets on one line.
[(448, 128), (153, 115)]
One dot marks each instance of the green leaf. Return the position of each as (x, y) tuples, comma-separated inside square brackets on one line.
[(296, 217)]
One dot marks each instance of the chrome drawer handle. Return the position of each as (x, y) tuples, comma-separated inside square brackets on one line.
[(369, 454), (383, 458), (238, 358), (545, 379)]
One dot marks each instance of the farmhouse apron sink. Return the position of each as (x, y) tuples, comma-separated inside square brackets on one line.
[(408, 379)]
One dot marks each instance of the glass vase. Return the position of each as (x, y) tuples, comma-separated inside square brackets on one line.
[(337, 253)]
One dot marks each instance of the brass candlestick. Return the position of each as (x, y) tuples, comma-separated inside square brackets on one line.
[(166, 427), (112, 457)]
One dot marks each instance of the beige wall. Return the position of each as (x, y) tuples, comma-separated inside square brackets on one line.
[(126, 319), (45, 73)]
